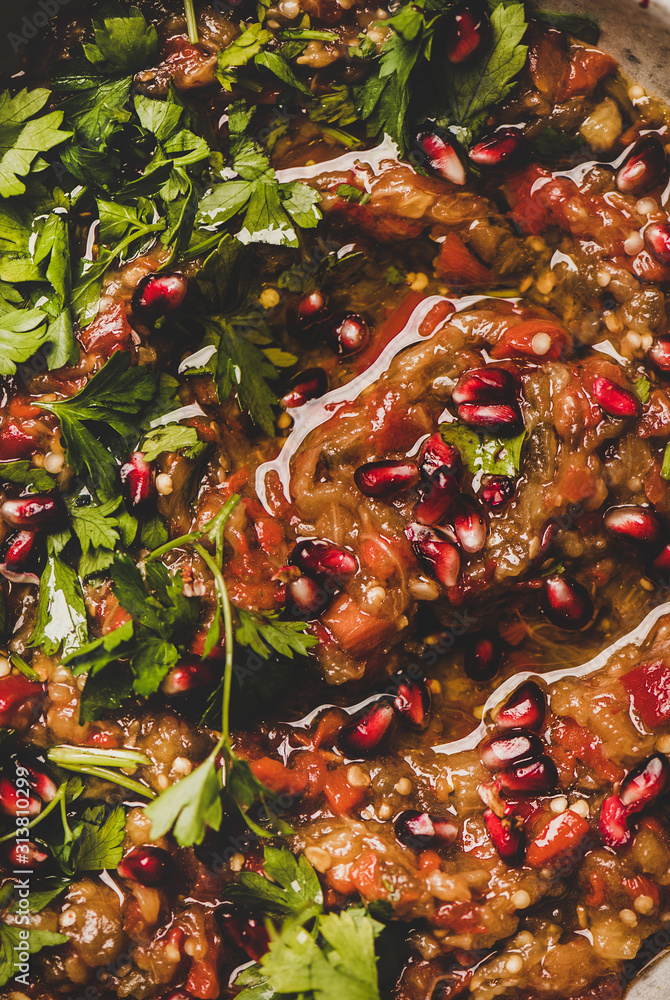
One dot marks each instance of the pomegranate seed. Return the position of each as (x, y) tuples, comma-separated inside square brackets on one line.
[(23, 558), (421, 830), (643, 167), (37, 511), (659, 354), (148, 865), (246, 933), (497, 490), (351, 334), (15, 443), (470, 528), (526, 708), (15, 802), (306, 599), (20, 701), (412, 702), (485, 385), (182, 994), (159, 294), (436, 454), (657, 238), (386, 478), (661, 564), (440, 556), (639, 525), (188, 677), (311, 310), (537, 777), (645, 783), (41, 783), (613, 400), (515, 746), (614, 827), (499, 418), (136, 476), (26, 854), (483, 656), (506, 835), (565, 602), (324, 561), (440, 494), (499, 149), (442, 157), (365, 735), (467, 32), (310, 384)]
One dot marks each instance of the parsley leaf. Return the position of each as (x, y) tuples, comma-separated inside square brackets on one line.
[(123, 44), (23, 137), (24, 473), (240, 52), (169, 437), (95, 842), (14, 939), (61, 612), (22, 333), (483, 453), (189, 806), (264, 632), (98, 533), (294, 884)]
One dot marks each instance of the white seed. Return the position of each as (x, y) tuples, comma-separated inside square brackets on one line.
[(559, 804), (269, 298), (181, 765), (403, 787), (385, 811), (663, 743), (540, 344), (68, 918), (5, 667), (289, 8), (628, 917), (357, 777), (419, 282), (53, 462), (164, 484), (636, 92), (546, 282), (236, 863), (603, 278), (514, 964), (646, 206), (633, 244), (646, 341), (643, 904), (581, 807), (318, 858), (523, 939), (520, 900)]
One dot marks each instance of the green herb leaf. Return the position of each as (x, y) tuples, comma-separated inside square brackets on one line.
[(22, 333), (189, 806), (579, 25), (100, 843), (642, 388), (294, 885), (241, 51), (14, 939), (61, 612), (169, 437), (665, 468), (23, 137), (123, 44), (483, 453), (264, 633), (24, 473)]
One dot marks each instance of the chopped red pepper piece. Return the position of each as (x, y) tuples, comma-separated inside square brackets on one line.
[(648, 686), (560, 841), (342, 797)]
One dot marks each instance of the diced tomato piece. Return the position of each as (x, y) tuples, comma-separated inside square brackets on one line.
[(596, 893), (313, 766), (648, 687), (355, 631), (278, 778), (587, 67), (203, 980), (642, 885), (366, 877), (520, 341), (570, 740), (339, 878), (462, 917), (110, 331), (342, 797), (561, 841), (16, 442), (20, 701), (437, 316), (269, 534), (459, 266), (429, 861)]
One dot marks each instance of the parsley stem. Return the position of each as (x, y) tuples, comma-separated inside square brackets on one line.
[(54, 804), (64, 755), (191, 22), (193, 536), (222, 594), (118, 779)]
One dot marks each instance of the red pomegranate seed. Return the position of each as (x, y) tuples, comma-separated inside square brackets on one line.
[(26, 854), (470, 528), (657, 238), (440, 556), (643, 167), (485, 385), (15, 443), (365, 735), (159, 294), (324, 560), (507, 836), (526, 708), (41, 783), (439, 496), (504, 750), (148, 865), (565, 602), (22, 558), (645, 783), (443, 158), (188, 677), (33, 512), (15, 801), (420, 830), (20, 701), (538, 777), (497, 490), (412, 702), (639, 525), (351, 334), (246, 933), (306, 599), (498, 418), (614, 827), (499, 149), (659, 354), (310, 384), (467, 32), (436, 454), (483, 656), (386, 478), (661, 564), (311, 310), (613, 400), (137, 479)]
